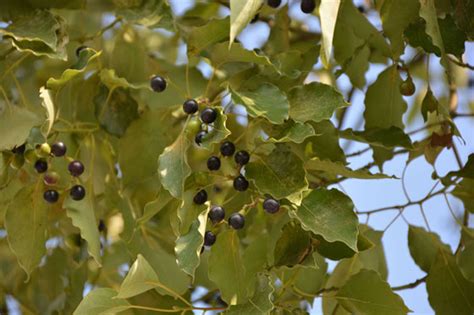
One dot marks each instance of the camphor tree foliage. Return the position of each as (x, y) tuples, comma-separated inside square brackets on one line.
[(130, 171)]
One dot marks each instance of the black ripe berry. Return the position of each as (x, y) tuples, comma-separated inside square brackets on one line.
[(308, 6), (227, 148), (41, 166), (209, 238), (271, 205), (241, 183), (20, 149), (213, 163), (255, 19), (158, 83), (58, 149), (208, 115), (51, 196), (77, 192), (274, 3), (242, 157), (76, 168), (199, 137), (101, 227), (190, 106), (361, 9), (237, 221), (216, 214), (200, 197)]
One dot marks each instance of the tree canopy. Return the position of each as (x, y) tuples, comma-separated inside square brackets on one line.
[(154, 160)]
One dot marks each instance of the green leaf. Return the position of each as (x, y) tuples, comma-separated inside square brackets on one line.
[(424, 247), (339, 169), (279, 174), (464, 190), (325, 144), (112, 81), (226, 268), (162, 260), (448, 291), (202, 37), (241, 12), (219, 130), (292, 247), (328, 10), (267, 101), (367, 293), (387, 138), (115, 109), (173, 166), (290, 131), (150, 131), (26, 223), (86, 57), (329, 213), (149, 13), (128, 43), (82, 214), (188, 246), (453, 37), (314, 101), (396, 16), (15, 125), (464, 16), (101, 301), (39, 32), (222, 54), (259, 303), (155, 206), (356, 41), (465, 259), (140, 278), (339, 250), (384, 105), (371, 259)]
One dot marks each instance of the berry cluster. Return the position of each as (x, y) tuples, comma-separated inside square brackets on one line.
[(208, 116), (75, 168), (240, 183), (307, 6)]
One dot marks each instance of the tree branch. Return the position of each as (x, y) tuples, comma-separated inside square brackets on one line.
[(411, 285)]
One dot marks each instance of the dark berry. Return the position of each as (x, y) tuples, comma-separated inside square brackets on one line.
[(255, 19), (58, 149), (200, 197), (242, 157), (41, 166), (76, 168), (209, 238), (199, 137), (101, 225), (237, 221), (271, 205), (208, 115), (79, 49), (213, 163), (158, 83), (20, 149), (216, 214), (51, 196), (227, 148), (190, 106), (274, 3), (241, 183), (308, 6), (77, 192), (51, 178), (361, 9)]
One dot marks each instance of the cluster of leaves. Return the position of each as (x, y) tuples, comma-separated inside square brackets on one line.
[(135, 239)]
